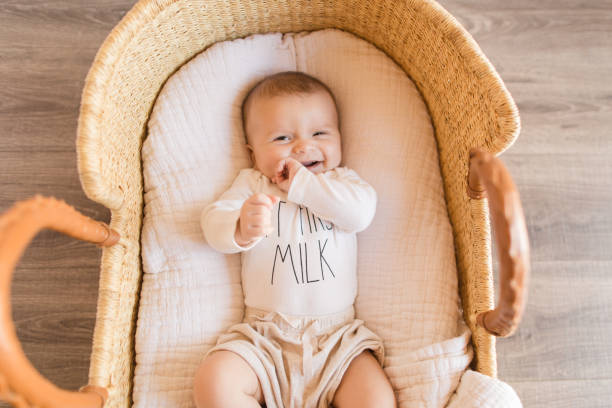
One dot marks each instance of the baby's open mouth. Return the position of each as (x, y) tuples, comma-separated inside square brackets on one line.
[(310, 164)]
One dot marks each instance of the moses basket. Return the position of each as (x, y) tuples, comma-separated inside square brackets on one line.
[(474, 120)]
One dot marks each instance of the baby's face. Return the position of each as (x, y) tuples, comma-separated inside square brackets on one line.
[(304, 127)]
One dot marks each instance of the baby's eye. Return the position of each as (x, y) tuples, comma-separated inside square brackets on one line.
[(318, 133), (281, 138)]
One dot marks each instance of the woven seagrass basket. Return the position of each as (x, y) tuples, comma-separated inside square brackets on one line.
[(468, 103)]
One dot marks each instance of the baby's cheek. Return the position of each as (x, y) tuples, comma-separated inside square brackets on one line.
[(334, 159), (269, 170)]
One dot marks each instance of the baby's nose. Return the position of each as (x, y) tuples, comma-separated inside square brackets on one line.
[(302, 147)]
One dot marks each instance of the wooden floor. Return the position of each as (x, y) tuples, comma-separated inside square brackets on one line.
[(555, 57)]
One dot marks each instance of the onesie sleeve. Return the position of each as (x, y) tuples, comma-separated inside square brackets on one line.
[(218, 220), (339, 196)]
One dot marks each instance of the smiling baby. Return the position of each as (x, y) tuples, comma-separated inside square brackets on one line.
[(293, 217)]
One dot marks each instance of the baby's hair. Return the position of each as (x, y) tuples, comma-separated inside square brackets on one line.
[(283, 83)]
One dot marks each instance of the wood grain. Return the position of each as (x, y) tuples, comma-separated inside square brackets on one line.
[(555, 57), (46, 48)]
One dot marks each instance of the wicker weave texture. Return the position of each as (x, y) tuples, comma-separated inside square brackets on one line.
[(468, 103)]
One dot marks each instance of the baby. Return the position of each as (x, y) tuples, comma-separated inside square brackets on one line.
[(293, 217)]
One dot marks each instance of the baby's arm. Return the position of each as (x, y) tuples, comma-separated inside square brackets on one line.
[(221, 220), (339, 196)]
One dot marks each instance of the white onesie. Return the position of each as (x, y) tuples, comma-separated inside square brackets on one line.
[(308, 264)]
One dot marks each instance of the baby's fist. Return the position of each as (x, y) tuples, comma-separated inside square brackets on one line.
[(284, 172), (255, 218)]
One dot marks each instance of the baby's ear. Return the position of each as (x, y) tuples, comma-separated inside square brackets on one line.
[(251, 153)]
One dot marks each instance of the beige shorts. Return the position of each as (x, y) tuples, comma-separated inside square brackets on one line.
[(299, 360)]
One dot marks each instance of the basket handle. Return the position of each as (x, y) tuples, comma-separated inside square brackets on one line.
[(488, 177), (20, 383)]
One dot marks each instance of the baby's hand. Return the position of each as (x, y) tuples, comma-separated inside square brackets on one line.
[(284, 172), (255, 218)]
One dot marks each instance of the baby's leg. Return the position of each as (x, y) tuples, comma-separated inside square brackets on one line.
[(364, 385), (224, 379)]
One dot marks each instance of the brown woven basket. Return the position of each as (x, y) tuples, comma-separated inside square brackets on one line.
[(468, 103)]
